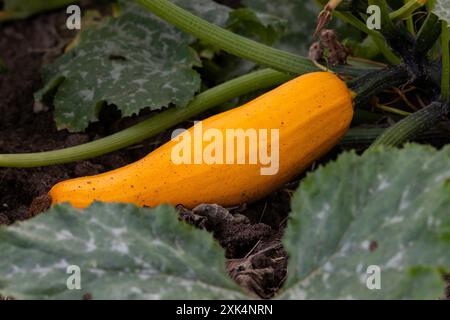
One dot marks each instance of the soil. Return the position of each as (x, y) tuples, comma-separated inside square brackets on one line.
[(251, 235)]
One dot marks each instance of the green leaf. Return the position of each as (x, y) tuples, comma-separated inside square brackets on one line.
[(260, 26), (441, 9), (19, 9), (388, 208), (133, 61), (123, 252), (301, 16), (207, 9), (301, 19)]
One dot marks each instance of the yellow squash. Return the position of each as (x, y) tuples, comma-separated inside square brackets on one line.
[(311, 113)]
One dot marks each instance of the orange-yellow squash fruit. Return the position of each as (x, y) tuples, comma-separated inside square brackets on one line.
[(311, 112)]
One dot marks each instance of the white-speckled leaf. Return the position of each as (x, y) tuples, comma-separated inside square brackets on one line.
[(133, 61), (388, 208), (442, 10), (124, 252)]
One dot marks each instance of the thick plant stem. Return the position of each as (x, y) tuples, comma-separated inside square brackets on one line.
[(428, 35), (445, 78), (365, 136), (226, 40), (233, 43), (165, 120), (411, 126), (375, 82)]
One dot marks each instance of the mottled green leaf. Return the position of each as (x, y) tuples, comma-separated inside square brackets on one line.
[(260, 26), (442, 10), (389, 208), (133, 61), (301, 16), (123, 252)]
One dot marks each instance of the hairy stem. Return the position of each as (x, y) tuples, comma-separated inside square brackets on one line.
[(165, 120), (233, 43), (375, 82), (409, 127), (365, 136)]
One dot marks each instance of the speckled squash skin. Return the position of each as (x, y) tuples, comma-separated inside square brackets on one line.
[(312, 113)]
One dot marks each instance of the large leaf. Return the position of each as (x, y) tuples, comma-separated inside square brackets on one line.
[(301, 16), (133, 61), (261, 26), (389, 208), (123, 252), (441, 9)]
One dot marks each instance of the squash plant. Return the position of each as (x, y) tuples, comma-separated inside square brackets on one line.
[(134, 68)]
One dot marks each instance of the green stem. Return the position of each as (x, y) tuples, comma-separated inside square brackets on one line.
[(409, 21), (410, 25), (375, 82), (165, 120), (233, 43), (407, 10), (360, 136), (226, 40), (445, 78), (393, 110), (409, 127), (365, 136), (428, 35)]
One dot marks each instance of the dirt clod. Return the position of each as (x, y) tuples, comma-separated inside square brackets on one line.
[(257, 260), (39, 204)]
